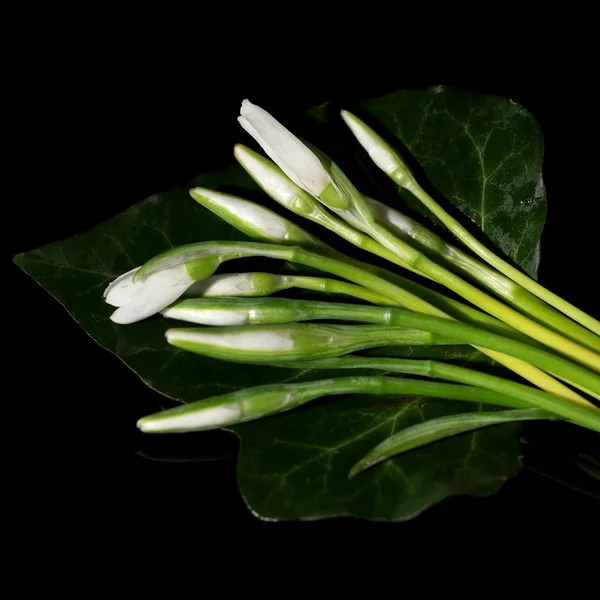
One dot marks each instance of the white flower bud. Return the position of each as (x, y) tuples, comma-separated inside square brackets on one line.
[(293, 157), (381, 153), (268, 176), (153, 294), (248, 217), (242, 340), (122, 289), (205, 418)]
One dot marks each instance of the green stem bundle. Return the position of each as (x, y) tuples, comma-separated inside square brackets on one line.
[(343, 198), (408, 229), (283, 343), (491, 305), (223, 251), (306, 206), (504, 267)]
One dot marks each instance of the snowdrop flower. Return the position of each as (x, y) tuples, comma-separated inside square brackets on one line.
[(236, 407), (236, 311), (276, 183), (294, 158), (289, 342), (380, 152), (140, 298), (122, 289), (302, 165), (153, 294), (254, 220)]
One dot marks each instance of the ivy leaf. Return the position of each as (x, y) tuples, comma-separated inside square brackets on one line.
[(482, 157), (297, 468)]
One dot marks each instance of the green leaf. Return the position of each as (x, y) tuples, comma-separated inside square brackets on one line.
[(436, 429), (481, 154), (302, 471)]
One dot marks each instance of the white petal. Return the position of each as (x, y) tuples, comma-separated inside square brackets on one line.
[(208, 316), (382, 156), (122, 289), (223, 285), (284, 148), (266, 341), (159, 290), (264, 221), (388, 216), (215, 415), (276, 185)]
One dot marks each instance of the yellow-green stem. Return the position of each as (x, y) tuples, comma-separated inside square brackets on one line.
[(498, 263)]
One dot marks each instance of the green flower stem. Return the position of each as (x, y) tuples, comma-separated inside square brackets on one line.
[(394, 166), (542, 359), (490, 305), (416, 304), (409, 230), (295, 341), (276, 283), (223, 251), (498, 263), (455, 309), (333, 286), (265, 400), (439, 428), (292, 197), (523, 395), (306, 342)]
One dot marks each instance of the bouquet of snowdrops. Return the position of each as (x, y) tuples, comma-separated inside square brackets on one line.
[(552, 346)]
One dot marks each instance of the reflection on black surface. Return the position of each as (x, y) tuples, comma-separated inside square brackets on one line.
[(565, 455), (206, 446)]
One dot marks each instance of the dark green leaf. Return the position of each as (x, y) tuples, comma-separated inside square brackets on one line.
[(301, 472), (482, 154)]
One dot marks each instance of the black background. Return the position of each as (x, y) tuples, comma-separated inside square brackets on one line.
[(105, 133)]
